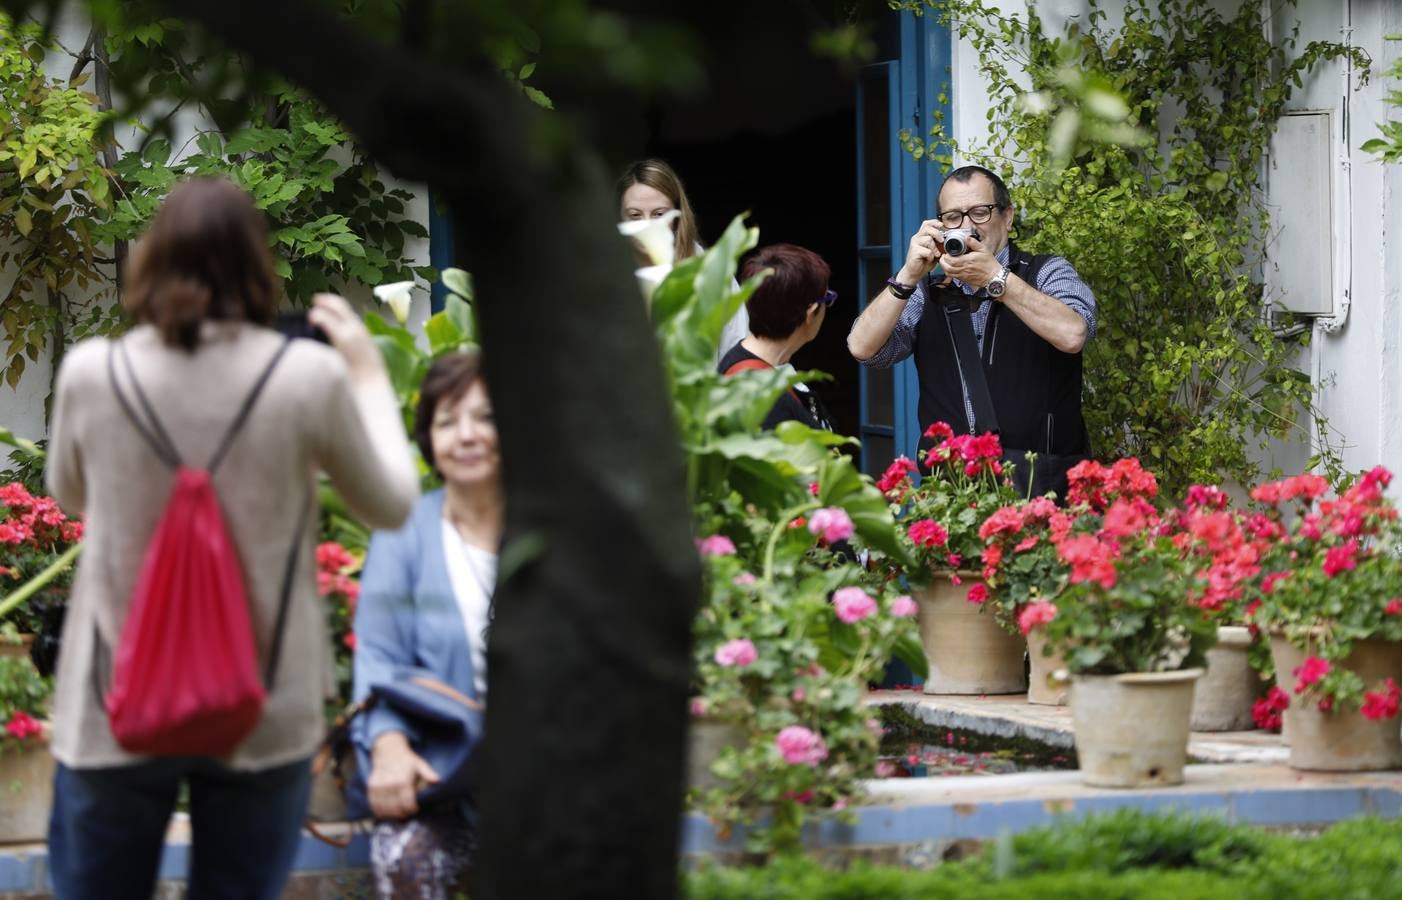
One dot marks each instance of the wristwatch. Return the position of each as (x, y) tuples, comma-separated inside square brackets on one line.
[(898, 290), (998, 284)]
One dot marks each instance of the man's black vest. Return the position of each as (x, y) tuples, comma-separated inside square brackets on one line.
[(1035, 388)]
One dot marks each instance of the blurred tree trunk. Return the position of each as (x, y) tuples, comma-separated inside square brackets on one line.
[(590, 647)]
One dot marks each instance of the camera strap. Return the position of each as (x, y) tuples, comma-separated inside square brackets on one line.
[(959, 319)]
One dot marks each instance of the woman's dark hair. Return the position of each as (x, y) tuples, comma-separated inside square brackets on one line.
[(447, 380), (780, 304), (964, 174), (204, 256)]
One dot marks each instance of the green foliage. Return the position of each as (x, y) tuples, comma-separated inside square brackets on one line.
[(1126, 854), (1331, 575), (1185, 371), (769, 576), (22, 689), (331, 219), (53, 192), (1389, 147)]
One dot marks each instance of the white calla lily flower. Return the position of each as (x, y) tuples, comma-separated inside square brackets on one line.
[(649, 278), (654, 236), (398, 296)]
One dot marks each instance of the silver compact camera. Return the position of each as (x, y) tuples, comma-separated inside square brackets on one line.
[(956, 240)]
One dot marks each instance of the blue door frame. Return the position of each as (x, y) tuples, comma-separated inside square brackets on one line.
[(913, 89), (440, 249)]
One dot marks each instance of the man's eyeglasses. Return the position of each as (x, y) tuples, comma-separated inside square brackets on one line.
[(829, 298), (953, 218)]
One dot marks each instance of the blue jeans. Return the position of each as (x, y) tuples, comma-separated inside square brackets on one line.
[(108, 828)]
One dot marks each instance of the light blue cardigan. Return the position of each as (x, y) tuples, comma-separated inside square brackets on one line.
[(408, 618)]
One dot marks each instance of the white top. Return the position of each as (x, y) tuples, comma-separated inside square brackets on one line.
[(472, 572)]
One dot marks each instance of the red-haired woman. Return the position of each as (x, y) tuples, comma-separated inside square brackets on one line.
[(786, 312)]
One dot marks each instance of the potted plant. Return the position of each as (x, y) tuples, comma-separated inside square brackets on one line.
[(1133, 643), (1025, 575), (1330, 597), (783, 658), (336, 571), (966, 649), (1228, 547), (26, 768), (36, 539)]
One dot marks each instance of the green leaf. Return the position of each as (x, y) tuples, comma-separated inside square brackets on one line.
[(458, 282), (442, 334), (459, 312)]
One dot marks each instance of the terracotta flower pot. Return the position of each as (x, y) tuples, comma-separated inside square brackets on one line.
[(27, 789), (968, 652), (1041, 689), (1223, 698), (1341, 741), (1132, 730)]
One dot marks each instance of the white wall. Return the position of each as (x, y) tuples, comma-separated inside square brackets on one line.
[(1356, 368)]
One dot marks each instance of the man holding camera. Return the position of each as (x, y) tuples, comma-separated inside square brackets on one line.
[(997, 342)]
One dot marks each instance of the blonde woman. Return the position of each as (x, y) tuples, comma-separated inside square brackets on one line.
[(650, 189)]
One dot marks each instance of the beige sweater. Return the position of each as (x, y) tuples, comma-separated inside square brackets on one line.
[(310, 417)]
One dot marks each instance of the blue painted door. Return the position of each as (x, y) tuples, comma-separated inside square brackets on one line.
[(895, 193)]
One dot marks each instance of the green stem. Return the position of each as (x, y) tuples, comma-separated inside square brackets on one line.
[(33, 585), (780, 527)]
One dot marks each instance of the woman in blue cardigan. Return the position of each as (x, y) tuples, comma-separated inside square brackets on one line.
[(425, 603)]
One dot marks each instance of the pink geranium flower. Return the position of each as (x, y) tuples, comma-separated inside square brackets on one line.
[(22, 725), (978, 593), (903, 607), (716, 545), (1381, 706), (1034, 614), (928, 533), (1310, 672), (831, 523), (853, 604), (800, 746), (740, 653)]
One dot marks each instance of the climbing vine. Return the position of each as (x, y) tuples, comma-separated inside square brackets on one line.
[(1189, 370)]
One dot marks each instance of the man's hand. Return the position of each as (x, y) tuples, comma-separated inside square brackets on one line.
[(976, 267), (924, 253)]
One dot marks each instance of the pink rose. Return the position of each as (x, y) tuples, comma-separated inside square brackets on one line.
[(800, 747), (740, 653), (904, 608), (853, 604), (716, 545), (831, 523)]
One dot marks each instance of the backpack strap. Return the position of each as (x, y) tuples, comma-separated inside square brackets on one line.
[(247, 407), (746, 365), (155, 435), (289, 574), (154, 432)]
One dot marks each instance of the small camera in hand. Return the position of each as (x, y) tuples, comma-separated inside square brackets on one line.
[(956, 240)]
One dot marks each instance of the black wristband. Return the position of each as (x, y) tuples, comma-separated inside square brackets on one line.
[(898, 290)]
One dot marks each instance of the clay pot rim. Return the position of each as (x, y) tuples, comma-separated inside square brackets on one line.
[(1233, 635), (1137, 678)]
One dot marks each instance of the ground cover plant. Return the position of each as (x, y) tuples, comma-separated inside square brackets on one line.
[(1126, 854)]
